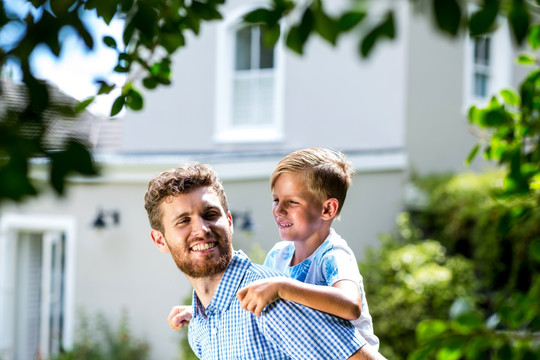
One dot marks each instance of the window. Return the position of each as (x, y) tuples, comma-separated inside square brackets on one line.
[(488, 64), (35, 316), (481, 64), (248, 85)]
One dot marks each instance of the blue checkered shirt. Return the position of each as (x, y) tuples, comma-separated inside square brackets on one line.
[(285, 330)]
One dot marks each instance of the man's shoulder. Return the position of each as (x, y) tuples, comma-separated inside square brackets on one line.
[(258, 271)]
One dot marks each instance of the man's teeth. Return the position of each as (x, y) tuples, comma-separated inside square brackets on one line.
[(205, 246)]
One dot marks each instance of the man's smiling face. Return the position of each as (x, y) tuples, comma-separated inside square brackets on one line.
[(197, 232)]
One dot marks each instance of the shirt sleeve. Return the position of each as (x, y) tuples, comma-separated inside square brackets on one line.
[(298, 330), (339, 265)]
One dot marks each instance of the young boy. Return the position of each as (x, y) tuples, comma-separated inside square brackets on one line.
[(309, 188)]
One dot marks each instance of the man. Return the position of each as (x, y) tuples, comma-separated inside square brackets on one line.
[(189, 216)]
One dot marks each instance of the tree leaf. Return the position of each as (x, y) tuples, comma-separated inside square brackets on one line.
[(325, 26), (483, 20), (110, 42), (472, 154), (384, 29), (118, 105), (349, 20), (447, 15), (452, 349), (429, 330), (534, 37), (511, 97), (519, 20), (134, 100), (299, 34), (526, 59)]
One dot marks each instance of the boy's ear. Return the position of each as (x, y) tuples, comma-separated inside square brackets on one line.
[(330, 208), (159, 240)]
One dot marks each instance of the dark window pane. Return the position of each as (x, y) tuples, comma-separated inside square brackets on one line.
[(243, 49), (266, 53)]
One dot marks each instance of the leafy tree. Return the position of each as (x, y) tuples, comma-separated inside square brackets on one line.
[(155, 29)]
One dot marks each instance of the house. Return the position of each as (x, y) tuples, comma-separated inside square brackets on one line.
[(239, 107)]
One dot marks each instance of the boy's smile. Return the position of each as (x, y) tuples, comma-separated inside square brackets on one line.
[(295, 209)]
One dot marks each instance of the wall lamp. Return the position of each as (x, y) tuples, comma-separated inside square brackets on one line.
[(105, 219)]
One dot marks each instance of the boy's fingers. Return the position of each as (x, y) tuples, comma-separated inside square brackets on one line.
[(241, 294)]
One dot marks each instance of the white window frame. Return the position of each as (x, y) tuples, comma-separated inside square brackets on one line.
[(499, 70), (10, 226), (225, 131)]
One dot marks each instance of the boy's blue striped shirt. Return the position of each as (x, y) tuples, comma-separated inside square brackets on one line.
[(285, 330)]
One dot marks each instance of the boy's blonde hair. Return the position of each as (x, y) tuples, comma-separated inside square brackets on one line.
[(326, 173)]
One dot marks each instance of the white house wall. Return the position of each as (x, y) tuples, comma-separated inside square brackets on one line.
[(331, 97)]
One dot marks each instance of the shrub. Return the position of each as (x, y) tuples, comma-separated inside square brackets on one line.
[(98, 341), (409, 279)]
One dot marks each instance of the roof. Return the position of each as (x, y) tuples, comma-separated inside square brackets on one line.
[(98, 133)]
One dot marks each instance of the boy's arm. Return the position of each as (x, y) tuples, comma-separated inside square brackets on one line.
[(342, 299), (179, 316)]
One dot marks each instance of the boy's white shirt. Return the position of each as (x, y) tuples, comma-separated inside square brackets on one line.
[(332, 261)]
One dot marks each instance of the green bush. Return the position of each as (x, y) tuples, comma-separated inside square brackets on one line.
[(98, 341), (409, 279), (468, 216)]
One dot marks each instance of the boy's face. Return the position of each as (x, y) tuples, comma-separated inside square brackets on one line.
[(295, 209)]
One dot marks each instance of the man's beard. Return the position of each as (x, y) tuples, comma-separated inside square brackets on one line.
[(208, 267)]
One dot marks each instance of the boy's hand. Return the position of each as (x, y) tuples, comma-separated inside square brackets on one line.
[(179, 316), (257, 295)]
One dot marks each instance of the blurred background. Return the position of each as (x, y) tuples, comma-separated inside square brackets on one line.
[(422, 224)]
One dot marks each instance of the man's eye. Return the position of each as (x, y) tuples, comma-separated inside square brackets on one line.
[(212, 215)]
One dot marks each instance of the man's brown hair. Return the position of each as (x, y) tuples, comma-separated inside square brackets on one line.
[(182, 180)]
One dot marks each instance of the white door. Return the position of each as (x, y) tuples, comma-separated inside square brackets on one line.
[(39, 294)]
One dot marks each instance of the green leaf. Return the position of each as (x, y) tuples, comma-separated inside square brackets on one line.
[(511, 97), (526, 59), (534, 250), (452, 349), (325, 26), (425, 352), (447, 15), (205, 11), (349, 20), (299, 34), (118, 105), (259, 16), (105, 88), (271, 36), (429, 330), (534, 37), (172, 41), (519, 20), (483, 20), (467, 323), (110, 42), (504, 353), (477, 346), (84, 104), (61, 7), (150, 83), (472, 154), (496, 118), (134, 100), (385, 29)]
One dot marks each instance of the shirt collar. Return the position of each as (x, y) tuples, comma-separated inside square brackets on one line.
[(227, 288)]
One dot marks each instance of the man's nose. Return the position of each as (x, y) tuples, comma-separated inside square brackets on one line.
[(200, 227)]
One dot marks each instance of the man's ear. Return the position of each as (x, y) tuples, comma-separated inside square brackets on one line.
[(229, 217), (159, 240), (330, 208)]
